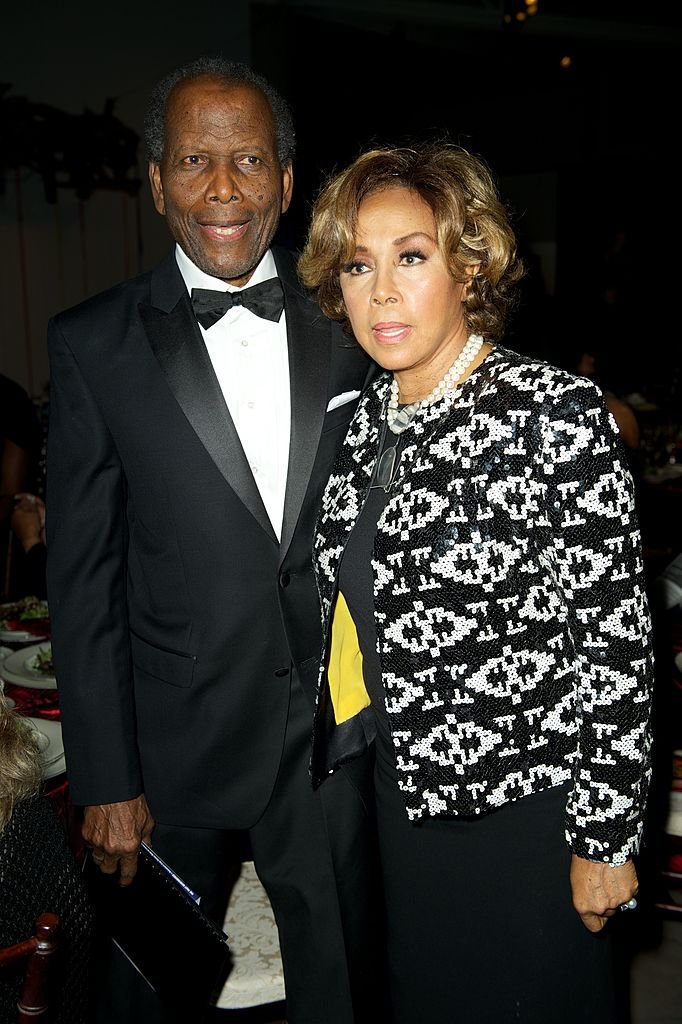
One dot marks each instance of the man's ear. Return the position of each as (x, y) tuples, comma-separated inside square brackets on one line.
[(157, 188), (287, 186)]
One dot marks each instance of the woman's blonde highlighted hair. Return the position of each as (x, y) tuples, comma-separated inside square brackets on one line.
[(20, 776), (472, 227)]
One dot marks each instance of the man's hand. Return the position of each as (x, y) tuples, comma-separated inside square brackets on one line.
[(600, 889), (114, 832)]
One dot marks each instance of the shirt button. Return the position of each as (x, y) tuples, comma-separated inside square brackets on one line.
[(254, 470), (250, 405), (245, 343)]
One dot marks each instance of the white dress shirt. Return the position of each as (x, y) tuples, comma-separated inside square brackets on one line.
[(251, 361)]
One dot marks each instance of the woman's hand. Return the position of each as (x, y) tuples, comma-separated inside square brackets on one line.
[(600, 889)]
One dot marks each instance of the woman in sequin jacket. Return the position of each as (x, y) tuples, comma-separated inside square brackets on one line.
[(485, 615)]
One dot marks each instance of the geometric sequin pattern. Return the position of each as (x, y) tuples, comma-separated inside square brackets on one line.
[(513, 626)]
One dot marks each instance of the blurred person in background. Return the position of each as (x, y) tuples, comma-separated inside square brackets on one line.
[(28, 526), (38, 872), (20, 441)]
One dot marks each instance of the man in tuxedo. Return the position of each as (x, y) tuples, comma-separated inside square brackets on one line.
[(194, 416)]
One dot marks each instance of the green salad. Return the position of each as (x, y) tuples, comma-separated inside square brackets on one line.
[(43, 661), (21, 611)]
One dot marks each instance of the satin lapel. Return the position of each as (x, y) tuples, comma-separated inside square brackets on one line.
[(179, 348), (309, 338)]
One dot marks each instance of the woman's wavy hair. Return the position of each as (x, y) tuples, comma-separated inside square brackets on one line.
[(472, 227), (20, 776)]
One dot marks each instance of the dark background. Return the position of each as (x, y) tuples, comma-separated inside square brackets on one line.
[(574, 108)]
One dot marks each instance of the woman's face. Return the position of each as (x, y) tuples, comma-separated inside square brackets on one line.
[(403, 303)]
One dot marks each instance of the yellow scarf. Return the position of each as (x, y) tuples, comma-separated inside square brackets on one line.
[(346, 680)]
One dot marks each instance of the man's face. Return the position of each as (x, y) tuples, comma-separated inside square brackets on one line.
[(220, 184)]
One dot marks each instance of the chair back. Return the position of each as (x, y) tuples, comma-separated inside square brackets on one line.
[(37, 950)]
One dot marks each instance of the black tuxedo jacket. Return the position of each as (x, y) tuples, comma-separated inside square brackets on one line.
[(177, 615)]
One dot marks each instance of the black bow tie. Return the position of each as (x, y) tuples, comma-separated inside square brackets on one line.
[(265, 299)]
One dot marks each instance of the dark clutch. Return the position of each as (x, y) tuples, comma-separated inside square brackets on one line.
[(159, 926)]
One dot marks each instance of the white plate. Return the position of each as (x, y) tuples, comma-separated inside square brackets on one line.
[(17, 636), (18, 668), (51, 744), (57, 767), (4, 651)]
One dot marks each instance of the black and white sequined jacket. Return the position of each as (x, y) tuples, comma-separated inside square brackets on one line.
[(510, 607)]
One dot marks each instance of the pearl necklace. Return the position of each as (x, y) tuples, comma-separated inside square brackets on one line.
[(398, 419)]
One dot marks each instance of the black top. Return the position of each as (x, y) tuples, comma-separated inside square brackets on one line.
[(18, 418), (39, 873), (356, 582), (30, 572)]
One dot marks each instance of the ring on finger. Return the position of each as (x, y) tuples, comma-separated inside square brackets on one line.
[(630, 905)]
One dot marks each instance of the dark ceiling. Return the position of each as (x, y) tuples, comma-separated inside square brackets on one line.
[(586, 91)]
